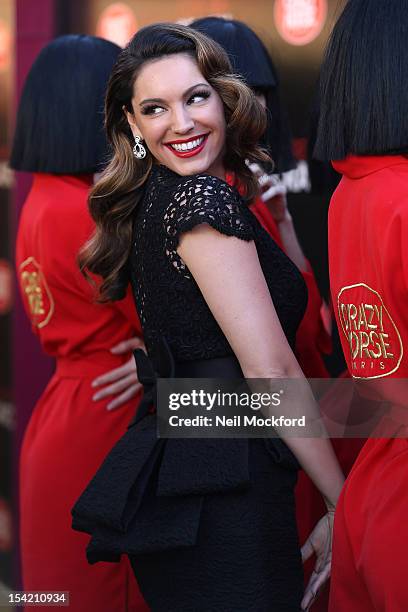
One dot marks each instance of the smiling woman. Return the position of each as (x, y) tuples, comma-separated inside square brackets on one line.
[(207, 524), (191, 110), (169, 85)]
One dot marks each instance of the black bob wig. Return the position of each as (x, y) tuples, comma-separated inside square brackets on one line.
[(59, 126), (363, 107), (250, 59)]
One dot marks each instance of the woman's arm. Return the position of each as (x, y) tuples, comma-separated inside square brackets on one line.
[(229, 275), (290, 240), (273, 194)]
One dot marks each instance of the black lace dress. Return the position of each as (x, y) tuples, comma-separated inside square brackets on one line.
[(208, 524)]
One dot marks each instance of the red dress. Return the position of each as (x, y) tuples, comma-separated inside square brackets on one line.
[(68, 434), (368, 233)]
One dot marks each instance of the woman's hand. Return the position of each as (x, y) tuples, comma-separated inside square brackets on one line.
[(273, 193), (274, 196), (121, 382), (319, 543), (277, 206)]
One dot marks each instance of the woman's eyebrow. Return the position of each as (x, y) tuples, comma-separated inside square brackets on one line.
[(156, 100), (190, 89), (162, 101)]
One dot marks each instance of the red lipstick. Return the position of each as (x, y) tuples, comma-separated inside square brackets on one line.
[(187, 152)]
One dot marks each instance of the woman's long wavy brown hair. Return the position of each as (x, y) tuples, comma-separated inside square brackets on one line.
[(114, 198)]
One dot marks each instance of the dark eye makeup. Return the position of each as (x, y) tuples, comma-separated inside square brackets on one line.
[(150, 109), (205, 94)]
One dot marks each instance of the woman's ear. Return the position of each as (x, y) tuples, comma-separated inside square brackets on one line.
[(132, 122)]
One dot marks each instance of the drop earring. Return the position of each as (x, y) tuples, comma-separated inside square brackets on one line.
[(138, 150)]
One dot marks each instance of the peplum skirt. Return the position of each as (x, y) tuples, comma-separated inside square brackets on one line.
[(208, 524)]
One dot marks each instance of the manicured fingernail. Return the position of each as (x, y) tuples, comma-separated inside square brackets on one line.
[(95, 383), (96, 397)]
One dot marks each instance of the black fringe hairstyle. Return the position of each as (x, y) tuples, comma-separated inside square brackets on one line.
[(363, 100), (59, 125)]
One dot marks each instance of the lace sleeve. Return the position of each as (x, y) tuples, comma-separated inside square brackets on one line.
[(203, 199)]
